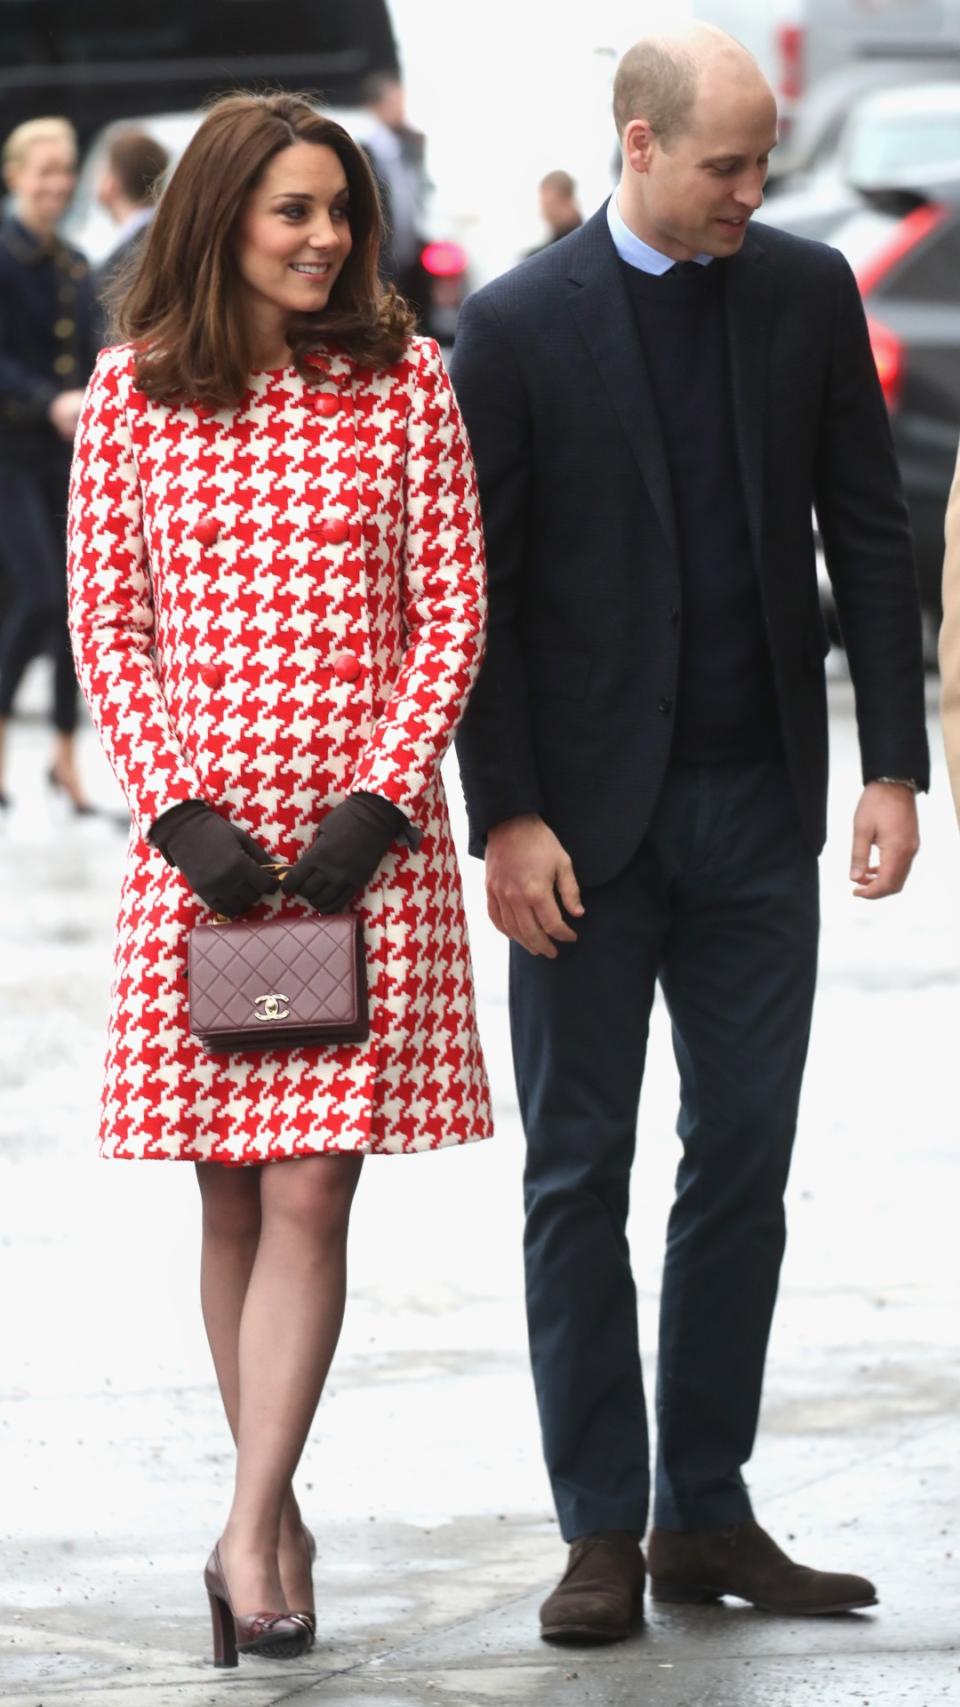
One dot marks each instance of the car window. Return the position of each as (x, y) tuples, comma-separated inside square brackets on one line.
[(882, 148)]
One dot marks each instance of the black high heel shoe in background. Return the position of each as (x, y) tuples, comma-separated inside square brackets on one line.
[(79, 808), (271, 1635)]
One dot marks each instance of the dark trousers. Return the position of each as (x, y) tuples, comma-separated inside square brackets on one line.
[(33, 506), (721, 904)]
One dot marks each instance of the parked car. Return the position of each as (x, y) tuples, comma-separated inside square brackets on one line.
[(841, 32), (904, 248), (902, 135), (898, 113), (443, 260), (816, 52), (890, 137)]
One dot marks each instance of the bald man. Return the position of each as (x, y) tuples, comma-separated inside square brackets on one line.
[(656, 403)]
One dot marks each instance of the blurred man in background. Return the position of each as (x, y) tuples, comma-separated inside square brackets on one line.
[(128, 188), (397, 154), (559, 209)]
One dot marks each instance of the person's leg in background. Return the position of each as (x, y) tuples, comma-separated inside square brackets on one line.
[(24, 629), (64, 772), (33, 504)]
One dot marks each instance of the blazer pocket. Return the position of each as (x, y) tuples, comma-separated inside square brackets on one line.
[(559, 674)]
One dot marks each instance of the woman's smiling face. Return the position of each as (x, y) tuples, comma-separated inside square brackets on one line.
[(293, 234)]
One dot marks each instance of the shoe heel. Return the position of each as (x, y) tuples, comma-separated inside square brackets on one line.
[(681, 1594), (224, 1632)]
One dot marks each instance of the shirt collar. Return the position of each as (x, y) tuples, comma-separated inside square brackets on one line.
[(634, 250), (133, 223)]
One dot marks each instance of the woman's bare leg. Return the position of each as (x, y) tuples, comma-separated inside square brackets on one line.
[(231, 1233), (64, 767), (289, 1326)]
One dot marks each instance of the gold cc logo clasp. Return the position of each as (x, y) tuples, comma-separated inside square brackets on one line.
[(269, 1007)]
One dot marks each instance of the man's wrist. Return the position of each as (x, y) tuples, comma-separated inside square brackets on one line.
[(899, 782), (512, 822)]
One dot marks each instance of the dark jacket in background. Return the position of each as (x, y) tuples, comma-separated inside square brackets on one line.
[(120, 267), (49, 338), (573, 713)]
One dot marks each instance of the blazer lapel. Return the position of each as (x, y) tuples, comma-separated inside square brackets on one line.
[(601, 309), (749, 306)]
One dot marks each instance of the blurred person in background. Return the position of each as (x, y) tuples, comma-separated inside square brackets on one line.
[(277, 601), (950, 640), (655, 406), (397, 154), (48, 344), (127, 188), (559, 208)]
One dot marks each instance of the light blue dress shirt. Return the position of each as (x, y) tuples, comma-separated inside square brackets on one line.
[(634, 250)]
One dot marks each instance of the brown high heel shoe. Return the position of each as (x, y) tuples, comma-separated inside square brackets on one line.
[(273, 1635)]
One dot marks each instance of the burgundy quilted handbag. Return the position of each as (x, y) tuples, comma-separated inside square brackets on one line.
[(267, 983)]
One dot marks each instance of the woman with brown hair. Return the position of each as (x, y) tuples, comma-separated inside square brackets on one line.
[(277, 603)]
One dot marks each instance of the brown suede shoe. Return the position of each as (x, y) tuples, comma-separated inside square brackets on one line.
[(600, 1596), (745, 1561)]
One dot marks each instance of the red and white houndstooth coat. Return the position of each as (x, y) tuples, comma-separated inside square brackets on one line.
[(272, 607)]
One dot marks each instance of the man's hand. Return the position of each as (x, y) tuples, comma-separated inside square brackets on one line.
[(527, 869), (64, 412), (886, 819)]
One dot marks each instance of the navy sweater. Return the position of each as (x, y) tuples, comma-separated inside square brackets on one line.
[(726, 701)]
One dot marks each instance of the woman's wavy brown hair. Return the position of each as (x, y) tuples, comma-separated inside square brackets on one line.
[(182, 310)]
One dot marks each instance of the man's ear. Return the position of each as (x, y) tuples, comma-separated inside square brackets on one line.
[(106, 187), (638, 143)]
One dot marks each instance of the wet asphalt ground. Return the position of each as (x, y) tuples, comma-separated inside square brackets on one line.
[(422, 1479)]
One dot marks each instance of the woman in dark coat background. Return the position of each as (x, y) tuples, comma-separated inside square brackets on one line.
[(48, 344)]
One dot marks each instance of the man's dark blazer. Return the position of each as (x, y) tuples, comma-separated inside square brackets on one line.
[(572, 715), (120, 263)]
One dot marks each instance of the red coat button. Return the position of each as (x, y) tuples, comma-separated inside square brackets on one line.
[(335, 532), (206, 411), (347, 666), (326, 403), (212, 676), (207, 530)]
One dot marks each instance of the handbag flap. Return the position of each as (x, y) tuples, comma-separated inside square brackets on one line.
[(270, 976)]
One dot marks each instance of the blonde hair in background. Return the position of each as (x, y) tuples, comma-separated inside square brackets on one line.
[(21, 140)]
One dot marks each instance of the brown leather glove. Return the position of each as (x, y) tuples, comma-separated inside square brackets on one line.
[(350, 844), (221, 862)]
